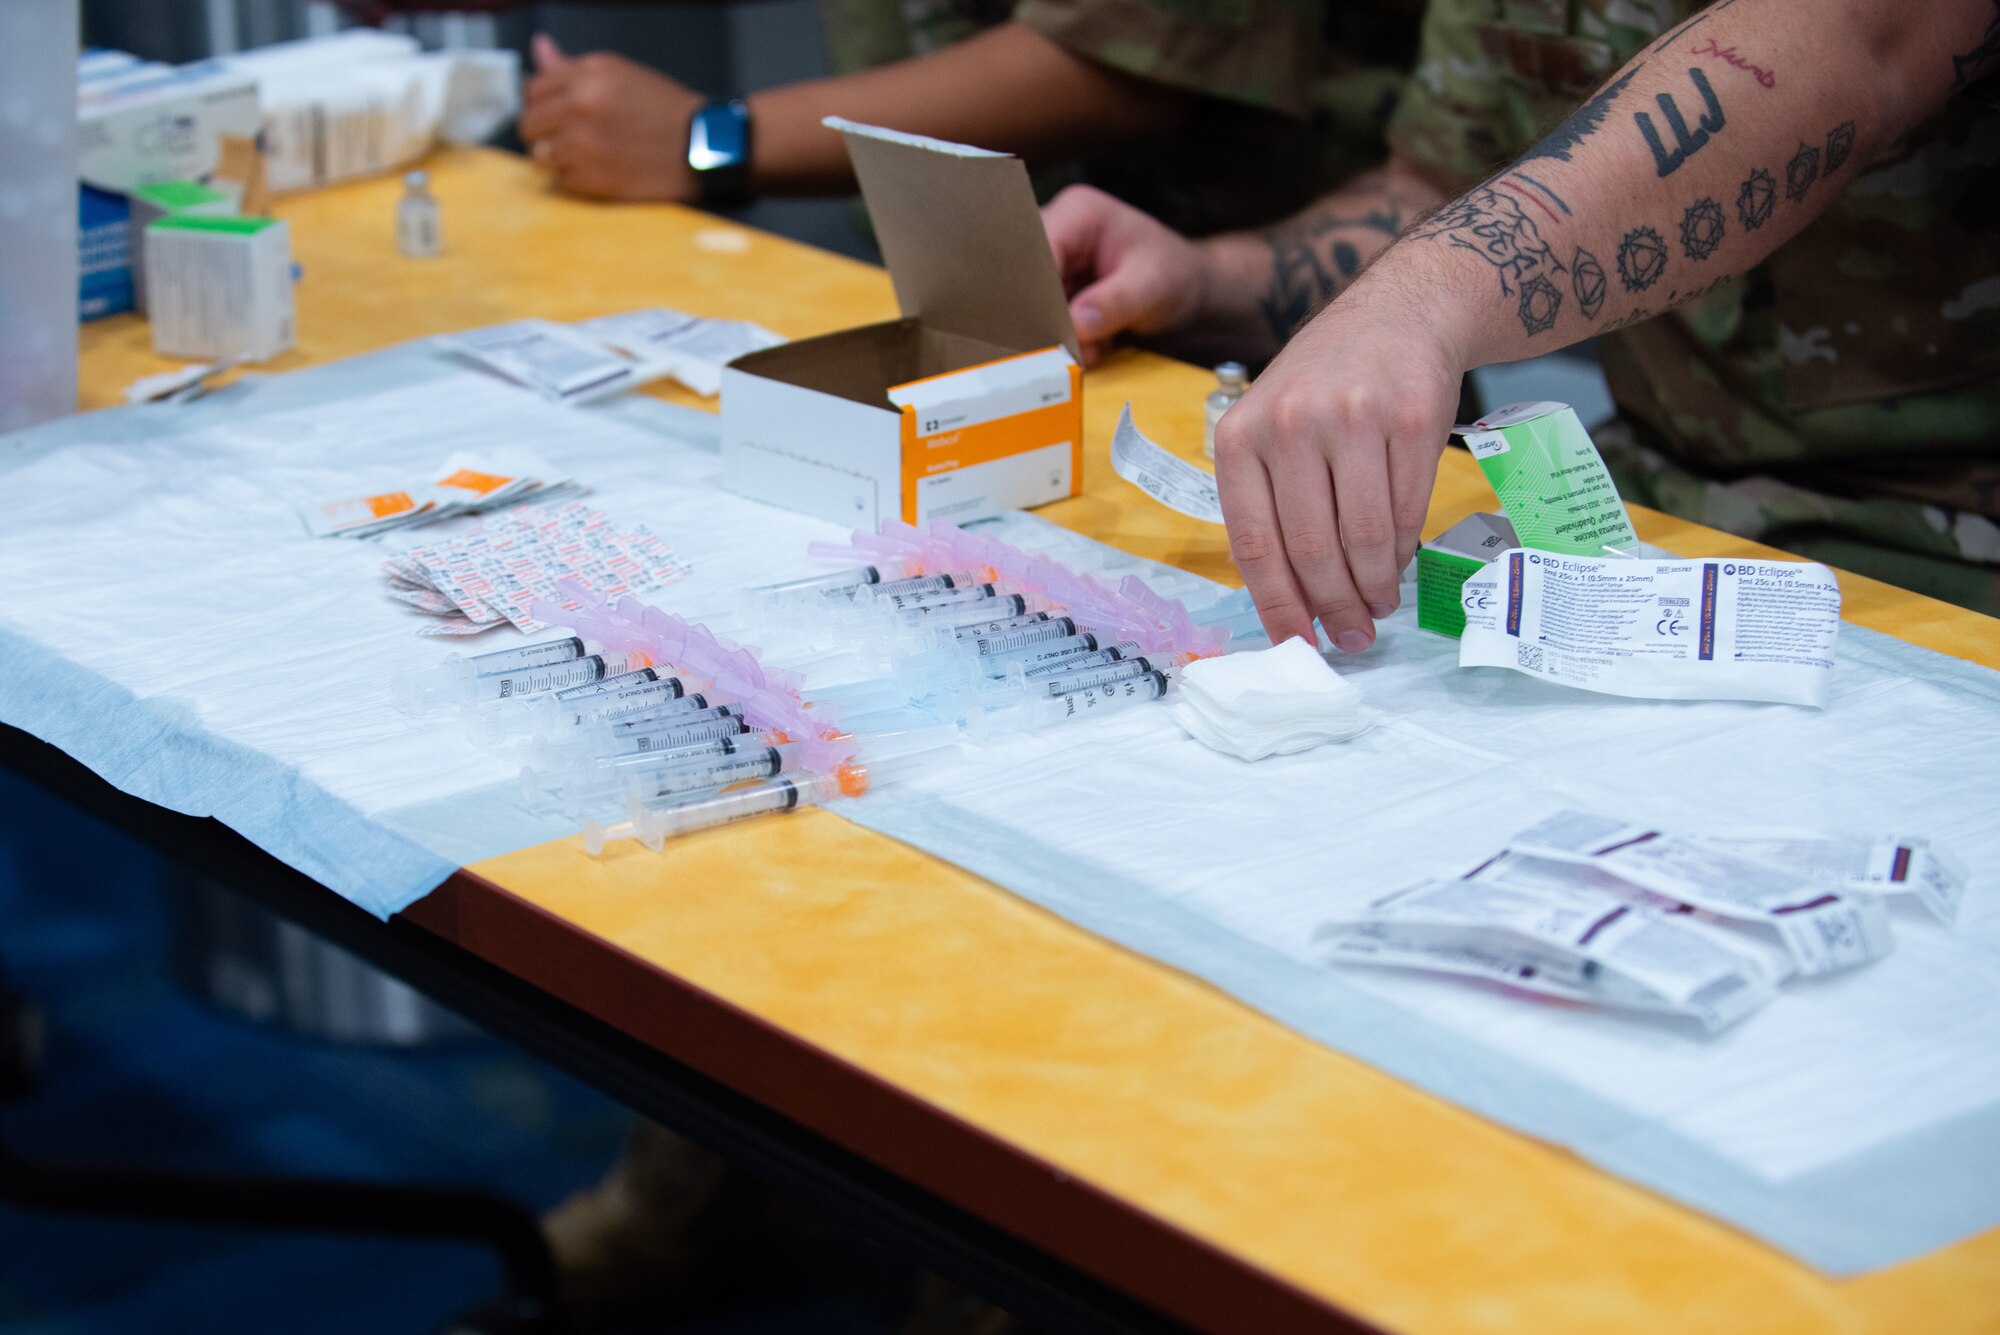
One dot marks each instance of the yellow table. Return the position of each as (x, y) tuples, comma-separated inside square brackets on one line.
[(1151, 1130)]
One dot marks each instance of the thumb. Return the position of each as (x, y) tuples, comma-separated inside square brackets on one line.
[(548, 56)]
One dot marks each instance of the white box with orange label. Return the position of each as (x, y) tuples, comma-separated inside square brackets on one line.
[(970, 404)]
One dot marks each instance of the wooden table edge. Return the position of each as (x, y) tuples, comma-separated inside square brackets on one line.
[(1188, 1278)]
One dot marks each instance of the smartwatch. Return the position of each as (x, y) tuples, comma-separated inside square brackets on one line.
[(719, 153)]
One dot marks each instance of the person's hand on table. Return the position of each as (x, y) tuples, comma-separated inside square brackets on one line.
[(1325, 467), (1357, 407), (604, 126), (1124, 270)]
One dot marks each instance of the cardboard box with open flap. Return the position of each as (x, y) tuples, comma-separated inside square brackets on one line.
[(970, 404)]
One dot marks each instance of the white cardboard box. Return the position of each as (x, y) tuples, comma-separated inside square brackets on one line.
[(970, 404), (219, 287), (165, 127)]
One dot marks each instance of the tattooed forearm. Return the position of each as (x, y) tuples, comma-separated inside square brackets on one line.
[(1315, 256)]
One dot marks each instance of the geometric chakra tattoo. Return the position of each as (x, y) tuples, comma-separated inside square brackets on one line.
[(1539, 303), (1701, 229), (1642, 258), (1801, 171), (1753, 201), (1839, 143), (1586, 279)]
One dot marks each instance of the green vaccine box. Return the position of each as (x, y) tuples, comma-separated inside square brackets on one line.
[(1550, 479), (1448, 560)]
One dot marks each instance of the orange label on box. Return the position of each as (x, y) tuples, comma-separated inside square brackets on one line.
[(1001, 438), (466, 479), (390, 503)]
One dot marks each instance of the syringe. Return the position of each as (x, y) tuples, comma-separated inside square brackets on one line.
[(418, 689), (554, 713), (699, 774), (1096, 702), (1020, 690), (602, 780), (834, 582), (654, 824), (610, 685), (581, 745)]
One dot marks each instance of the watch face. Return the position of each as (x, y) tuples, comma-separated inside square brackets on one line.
[(718, 137)]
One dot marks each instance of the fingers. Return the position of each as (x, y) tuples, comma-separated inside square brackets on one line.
[(1413, 462), (542, 117), (1309, 522), (1312, 519), (549, 57), (1256, 540), (1074, 221), (1367, 539)]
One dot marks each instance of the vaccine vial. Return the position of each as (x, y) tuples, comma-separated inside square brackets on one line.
[(417, 232), (1231, 379)]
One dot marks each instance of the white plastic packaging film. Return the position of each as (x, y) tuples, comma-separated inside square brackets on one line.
[(1657, 629), (1824, 930)]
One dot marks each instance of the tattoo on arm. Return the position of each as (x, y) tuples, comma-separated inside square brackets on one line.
[(1305, 273), (1801, 171), (1728, 55), (1586, 278), (1642, 258), (1701, 229), (1580, 124), (1754, 199), (1687, 142), (1494, 222)]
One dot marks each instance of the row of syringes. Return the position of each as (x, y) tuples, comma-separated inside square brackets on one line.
[(955, 647), (908, 661), (612, 730)]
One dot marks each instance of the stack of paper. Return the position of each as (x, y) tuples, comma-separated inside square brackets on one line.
[(467, 483), (1268, 703), (489, 575)]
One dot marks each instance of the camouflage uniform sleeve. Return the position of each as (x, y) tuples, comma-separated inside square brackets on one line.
[(1484, 91), (1260, 53)]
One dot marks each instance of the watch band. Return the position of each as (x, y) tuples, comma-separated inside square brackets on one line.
[(718, 152)]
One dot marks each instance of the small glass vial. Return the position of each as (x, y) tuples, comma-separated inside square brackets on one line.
[(1231, 379), (418, 234)]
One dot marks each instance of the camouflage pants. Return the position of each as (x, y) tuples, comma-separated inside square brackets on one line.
[(1950, 555)]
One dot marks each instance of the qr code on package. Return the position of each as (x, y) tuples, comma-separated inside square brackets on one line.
[(1528, 657)]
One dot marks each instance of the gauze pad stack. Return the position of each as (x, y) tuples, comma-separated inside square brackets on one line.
[(1269, 703)]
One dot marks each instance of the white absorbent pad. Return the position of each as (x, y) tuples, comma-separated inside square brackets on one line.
[(1854, 1121), (1268, 702), (164, 619)]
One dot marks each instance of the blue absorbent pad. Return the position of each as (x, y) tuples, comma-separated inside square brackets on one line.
[(168, 622)]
